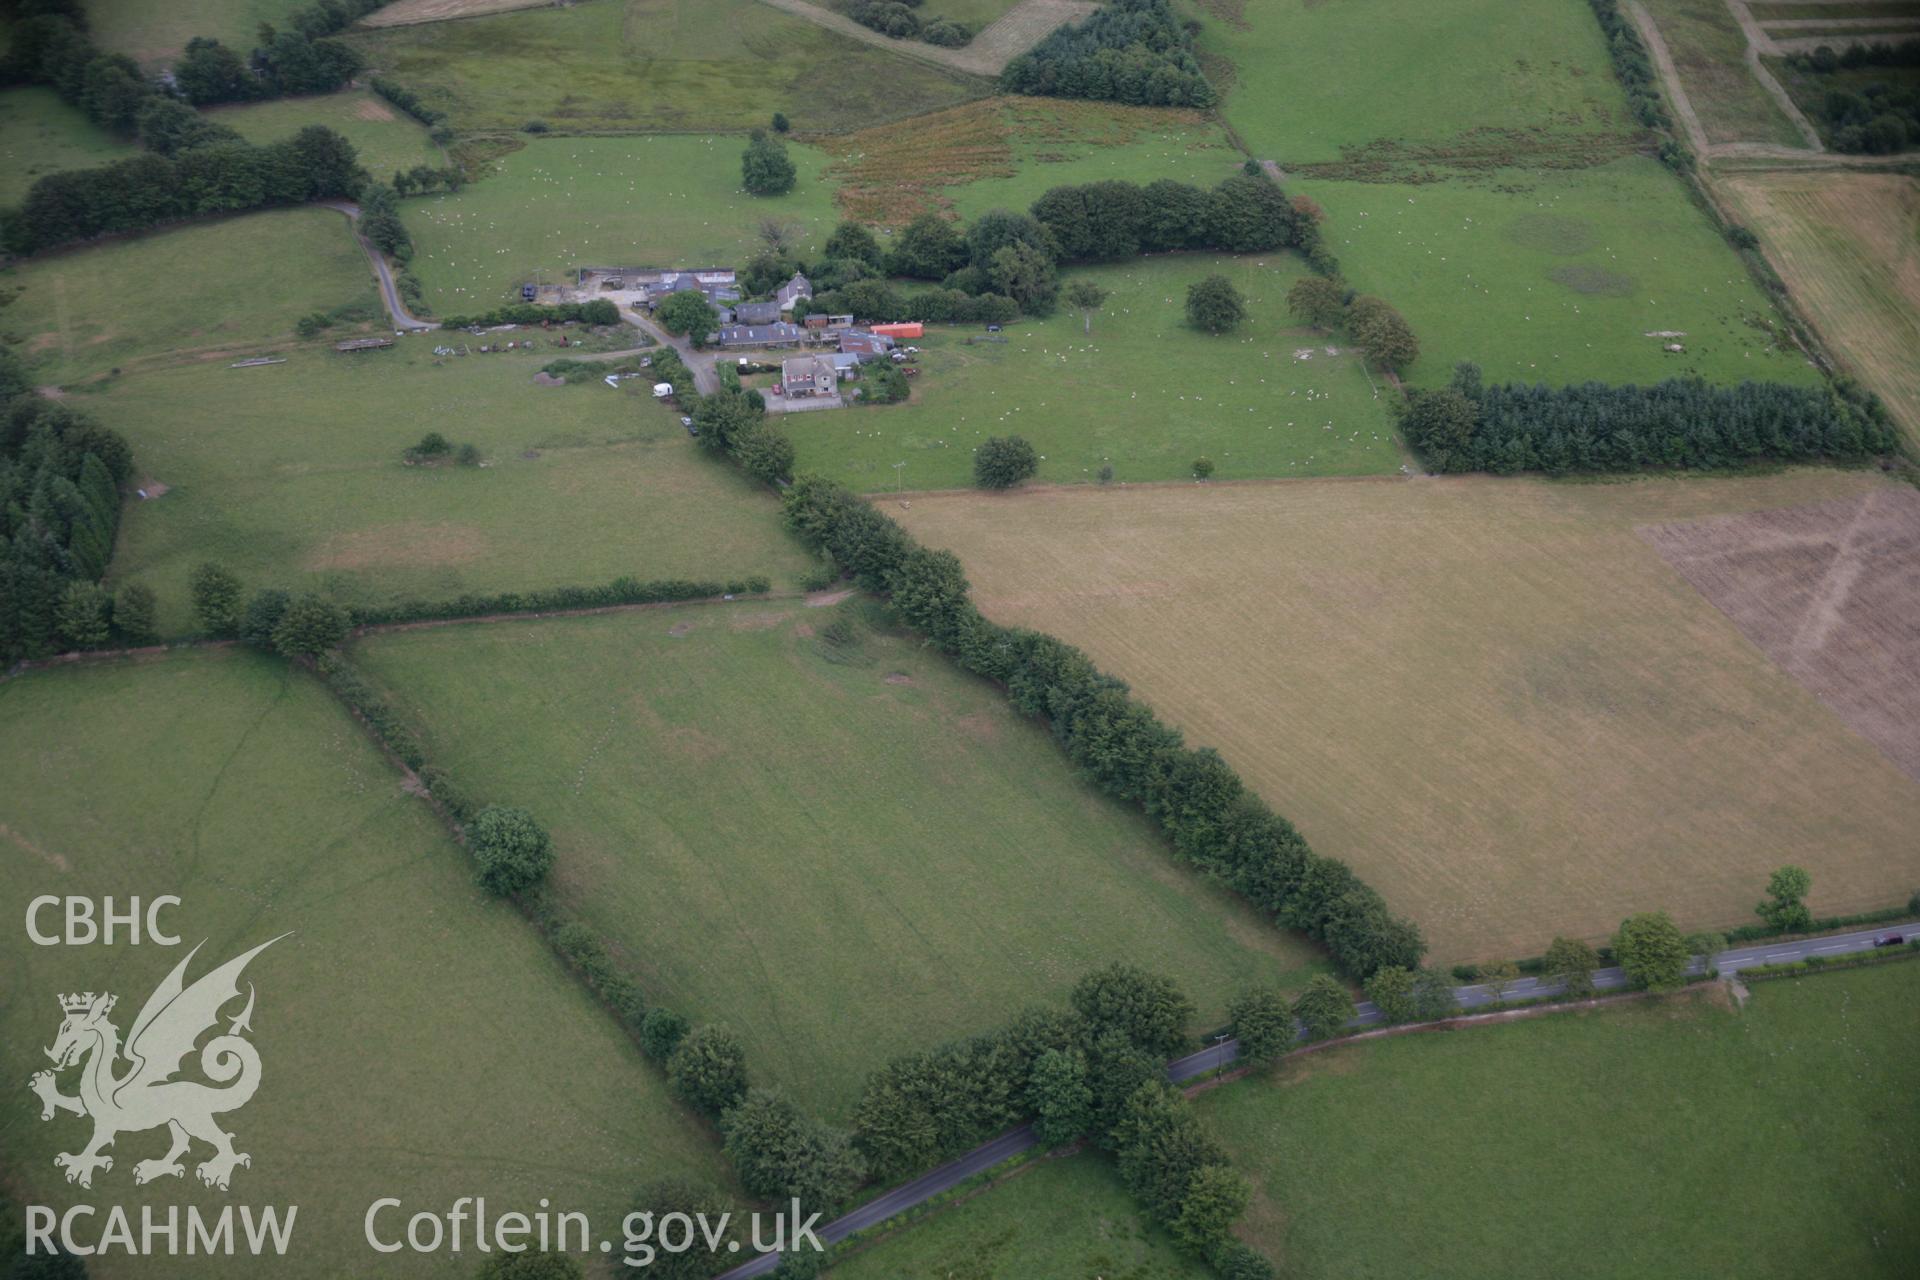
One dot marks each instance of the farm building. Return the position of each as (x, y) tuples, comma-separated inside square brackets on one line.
[(756, 313), (865, 346), (808, 376), (913, 330), (750, 337)]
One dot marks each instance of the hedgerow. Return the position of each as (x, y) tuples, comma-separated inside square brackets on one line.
[(598, 311), (620, 591), (1213, 821)]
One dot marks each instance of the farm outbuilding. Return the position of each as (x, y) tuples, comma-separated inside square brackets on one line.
[(913, 330)]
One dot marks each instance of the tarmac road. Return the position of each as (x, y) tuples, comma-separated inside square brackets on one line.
[(397, 313), (1015, 1141)]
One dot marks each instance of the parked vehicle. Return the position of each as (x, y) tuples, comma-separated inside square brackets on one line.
[(688, 424)]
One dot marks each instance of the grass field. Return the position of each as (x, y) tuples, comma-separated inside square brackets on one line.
[(1677, 1138), (1066, 1218), (415, 1035), (655, 65), (1559, 276), (845, 851), (154, 34), (1004, 153), (386, 138), (1144, 393), (211, 285), (291, 475), (560, 203), (1308, 82), (1709, 51), (1492, 697), (1846, 245), (40, 134)]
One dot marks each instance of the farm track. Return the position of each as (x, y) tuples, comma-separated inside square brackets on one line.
[(1016, 31)]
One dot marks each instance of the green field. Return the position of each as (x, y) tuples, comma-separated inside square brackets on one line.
[(655, 65), (1145, 393), (40, 134), (418, 1040), (217, 285), (1065, 1218), (1678, 1138), (154, 33), (292, 476), (1463, 80), (845, 851), (1709, 51), (1559, 277), (386, 138), (561, 203)]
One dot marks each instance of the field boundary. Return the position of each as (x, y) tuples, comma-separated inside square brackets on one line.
[(984, 57)]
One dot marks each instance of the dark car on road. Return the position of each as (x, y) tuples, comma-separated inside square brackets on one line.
[(1891, 940)]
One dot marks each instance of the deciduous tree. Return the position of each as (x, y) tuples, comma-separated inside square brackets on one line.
[(1653, 952), (1262, 1023), (1002, 462), (1571, 963), (1214, 305), (1324, 1007), (709, 1070), (1785, 908), (511, 850)]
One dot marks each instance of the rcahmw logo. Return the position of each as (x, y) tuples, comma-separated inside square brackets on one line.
[(131, 1086)]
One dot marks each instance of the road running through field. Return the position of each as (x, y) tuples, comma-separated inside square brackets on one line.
[(1224, 1054)]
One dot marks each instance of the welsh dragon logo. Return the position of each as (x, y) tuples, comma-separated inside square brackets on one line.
[(145, 1096)]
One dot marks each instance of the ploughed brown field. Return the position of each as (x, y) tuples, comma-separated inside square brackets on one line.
[(1831, 592), (1493, 696)]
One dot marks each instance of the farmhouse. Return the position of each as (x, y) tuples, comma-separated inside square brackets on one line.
[(792, 291), (808, 376)]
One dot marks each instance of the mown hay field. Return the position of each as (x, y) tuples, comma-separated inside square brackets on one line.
[(407, 12), (292, 476), (562, 203), (1770, 1141), (1560, 276), (828, 839), (656, 66), (40, 134), (201, 288), (1492, 697), (1848, 248), (1144, 393), (417, 1038)]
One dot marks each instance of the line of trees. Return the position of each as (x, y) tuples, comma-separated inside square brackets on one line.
[(600, 311), (897, 18), (1329, 304), (297, 60), (1594, 427), (1096, 1068), (1007, 263), (1212, 820), (1135, 51), (1633, 66), (1246, 213), (60, 478), (152, 189), (52, 48)]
